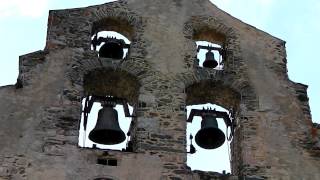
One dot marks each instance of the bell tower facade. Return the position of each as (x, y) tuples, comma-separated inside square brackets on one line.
[(273, 136)]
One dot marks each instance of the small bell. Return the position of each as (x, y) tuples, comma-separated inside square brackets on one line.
[(210, 62)]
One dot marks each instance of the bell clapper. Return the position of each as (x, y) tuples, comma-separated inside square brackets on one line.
[(192, 148)]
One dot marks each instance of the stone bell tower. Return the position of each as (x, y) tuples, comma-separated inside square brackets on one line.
[(273, 134)]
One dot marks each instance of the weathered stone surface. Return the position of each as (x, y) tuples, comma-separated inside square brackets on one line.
[(39, 117)]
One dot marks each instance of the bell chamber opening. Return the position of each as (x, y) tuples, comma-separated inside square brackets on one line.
[(106, 125), (208, 135), (110, 44), (210, 55), (106, 121), (212, 107)]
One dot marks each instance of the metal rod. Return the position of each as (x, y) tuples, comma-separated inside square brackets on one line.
[(210, 48)]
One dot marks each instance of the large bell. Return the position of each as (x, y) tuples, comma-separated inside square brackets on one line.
[(209, 136), (210, 62), (111, 49), (107, 130)]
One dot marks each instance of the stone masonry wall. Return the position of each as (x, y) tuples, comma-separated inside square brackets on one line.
[(40, 115)]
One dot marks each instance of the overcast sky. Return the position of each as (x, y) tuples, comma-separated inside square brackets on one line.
[(23, 26)]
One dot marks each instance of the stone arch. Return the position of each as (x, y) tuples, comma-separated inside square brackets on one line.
[(233, 81), (216, 93), (225, 94), (208, 28), (235, 73), (202, 79), (86, 61), (90, 75), (212, 92), (116, 24), (106, 72), (112, 82), (116, 17), (199, 26)]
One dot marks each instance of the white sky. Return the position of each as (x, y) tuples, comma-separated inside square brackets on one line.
[(23, 30), (23, 26)]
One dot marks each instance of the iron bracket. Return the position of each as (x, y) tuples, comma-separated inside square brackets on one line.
[(97, 41), (209, 48), (221, 51)]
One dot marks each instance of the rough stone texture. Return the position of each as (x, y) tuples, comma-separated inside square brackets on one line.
[(274, 136)]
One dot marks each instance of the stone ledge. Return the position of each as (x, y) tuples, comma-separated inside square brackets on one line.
[(204, 175)]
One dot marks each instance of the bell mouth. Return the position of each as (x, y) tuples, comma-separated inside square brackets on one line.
[(107, 136), (111, 50), (210, 138), (210, 64)]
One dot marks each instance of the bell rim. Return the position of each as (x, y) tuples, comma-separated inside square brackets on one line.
[(216, 145), (210, 64), (95, 133), (105, 46)]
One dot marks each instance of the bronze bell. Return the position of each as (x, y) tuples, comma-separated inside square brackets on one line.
[(111, 49), (107, 130), (209, 136), (210, 62)]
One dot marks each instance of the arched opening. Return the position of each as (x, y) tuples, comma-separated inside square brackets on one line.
[(221, 102), (108, 109), (111, 37), (113, 24), (210, 48), (219, 157), (203, 33)]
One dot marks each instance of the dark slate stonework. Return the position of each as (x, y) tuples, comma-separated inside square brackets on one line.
[(40, 116)]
